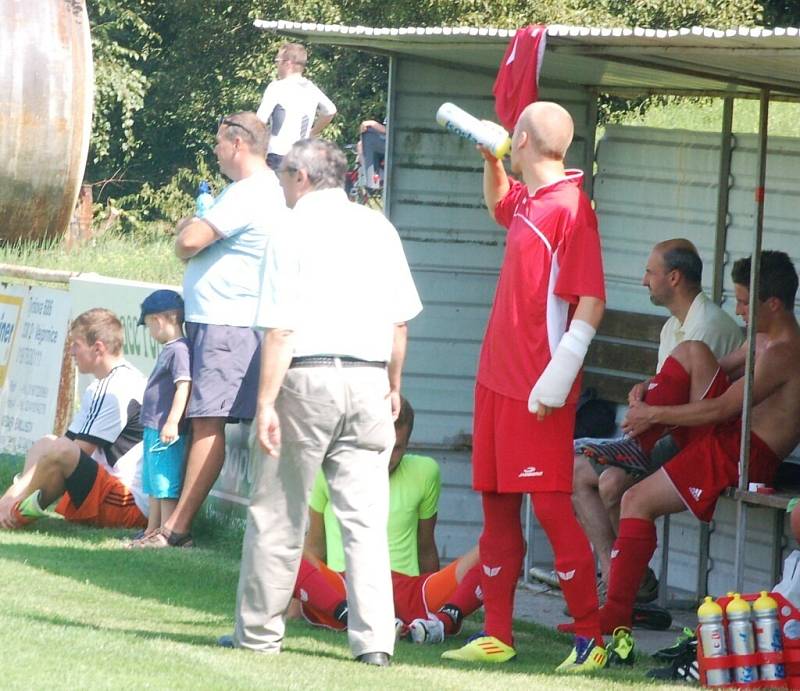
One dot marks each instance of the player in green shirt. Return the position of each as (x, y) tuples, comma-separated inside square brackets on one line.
[(421, 589)]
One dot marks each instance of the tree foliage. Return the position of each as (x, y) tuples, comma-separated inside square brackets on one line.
[(167, 71)]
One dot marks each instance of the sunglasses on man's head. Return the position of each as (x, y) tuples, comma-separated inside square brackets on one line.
[(230, 123)]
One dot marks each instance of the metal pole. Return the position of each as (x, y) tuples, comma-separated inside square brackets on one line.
[(723, 198), (391, 128), (528, 563), (591, 144), (755, 265)]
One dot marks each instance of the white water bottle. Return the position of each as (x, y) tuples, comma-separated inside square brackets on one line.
[(712, 635), (482, 132), (204, 199)]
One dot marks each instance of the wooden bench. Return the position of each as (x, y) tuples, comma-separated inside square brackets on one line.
[(777, 502), (623, 353)]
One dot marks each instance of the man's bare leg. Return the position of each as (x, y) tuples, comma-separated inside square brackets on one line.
[(699, 363), (612, 485), (49, 462), (591, 511), (652, 497), (203, 465), (465, 562)]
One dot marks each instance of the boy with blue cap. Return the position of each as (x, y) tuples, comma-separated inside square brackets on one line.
[(163, 408)]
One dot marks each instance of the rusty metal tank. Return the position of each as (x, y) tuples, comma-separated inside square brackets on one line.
[(46, 92)]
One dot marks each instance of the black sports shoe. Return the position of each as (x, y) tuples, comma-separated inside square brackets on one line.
[(683, 667), (651, 617), (685, 639)]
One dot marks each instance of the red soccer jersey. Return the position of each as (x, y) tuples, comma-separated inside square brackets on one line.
[(552, 259)]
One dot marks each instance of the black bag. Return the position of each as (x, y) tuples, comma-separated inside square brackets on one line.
[(595, 417)]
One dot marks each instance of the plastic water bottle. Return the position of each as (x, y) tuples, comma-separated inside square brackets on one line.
[(768, 635), (712, 635), (487, 134), (204, 199), (740, 637)]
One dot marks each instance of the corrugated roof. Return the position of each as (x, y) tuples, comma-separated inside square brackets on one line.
[(738, 61)]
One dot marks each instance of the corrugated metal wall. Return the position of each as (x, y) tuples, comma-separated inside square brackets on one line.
[(455, 251), (654, 184)]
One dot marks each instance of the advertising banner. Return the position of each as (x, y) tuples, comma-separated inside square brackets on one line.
[(232, 491), (33, 327)]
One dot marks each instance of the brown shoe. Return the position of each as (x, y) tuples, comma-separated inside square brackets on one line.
[(160, 539), (648, 590)]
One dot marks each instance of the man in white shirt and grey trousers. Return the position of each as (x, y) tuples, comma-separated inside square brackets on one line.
[(336, 295)]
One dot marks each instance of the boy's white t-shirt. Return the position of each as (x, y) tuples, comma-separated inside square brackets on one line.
[(109, 418)]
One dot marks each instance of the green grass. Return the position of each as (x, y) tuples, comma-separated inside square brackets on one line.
[(78, 611), (706, 116), (142, 257)]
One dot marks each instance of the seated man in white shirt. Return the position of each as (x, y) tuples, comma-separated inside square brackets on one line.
[(293, 107), (94, 470), (673, 276)]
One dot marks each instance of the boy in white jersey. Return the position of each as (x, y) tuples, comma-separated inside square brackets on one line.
[(94, 470)]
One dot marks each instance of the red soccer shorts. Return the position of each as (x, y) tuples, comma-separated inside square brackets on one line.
[(684, 436), (512, 451), (702, 471)]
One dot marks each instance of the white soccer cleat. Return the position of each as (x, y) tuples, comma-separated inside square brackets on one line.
[(426, 631)]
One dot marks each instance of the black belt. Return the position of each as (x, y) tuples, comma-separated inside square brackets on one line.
[(330, 361)]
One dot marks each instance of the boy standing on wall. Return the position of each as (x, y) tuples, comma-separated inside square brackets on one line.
[(163, 408)]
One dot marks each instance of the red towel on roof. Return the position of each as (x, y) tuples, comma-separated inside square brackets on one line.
[(517, 83)]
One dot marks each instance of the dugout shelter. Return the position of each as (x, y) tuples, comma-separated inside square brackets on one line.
[(648, 184)]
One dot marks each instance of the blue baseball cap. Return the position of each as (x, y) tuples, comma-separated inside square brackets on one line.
[(160, 301)]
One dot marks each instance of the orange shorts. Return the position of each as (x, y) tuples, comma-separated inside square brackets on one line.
[(106, 502), (414, 596)]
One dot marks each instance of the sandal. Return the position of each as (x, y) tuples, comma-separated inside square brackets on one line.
[(159, 539)]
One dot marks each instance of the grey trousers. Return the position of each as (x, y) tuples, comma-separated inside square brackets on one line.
[(338, 418)]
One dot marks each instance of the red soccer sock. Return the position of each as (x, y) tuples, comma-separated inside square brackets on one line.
[(573, 560), (635, 545), (313, 588), (501, 549), (671, 386), (465, 600)]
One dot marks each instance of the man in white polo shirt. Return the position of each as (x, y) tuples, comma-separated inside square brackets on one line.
[(336, 295), (293, 107), (673, 276)]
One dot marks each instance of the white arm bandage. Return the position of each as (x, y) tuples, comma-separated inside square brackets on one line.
[(556, 381)]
